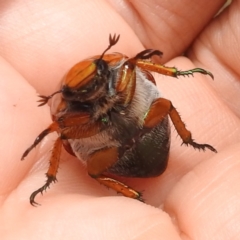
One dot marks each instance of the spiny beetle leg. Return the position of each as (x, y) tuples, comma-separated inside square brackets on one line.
[(50, 179), (148, 53), (200, 146), (68, 120), (99, 162), (52, 128), (162, 107), (52, 170), (192, 71), (169, 71), (119, 187)]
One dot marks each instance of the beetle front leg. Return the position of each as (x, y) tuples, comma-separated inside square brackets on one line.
[(79, 125), (52, 171), (160, 108), (99, 162), (52, 128)]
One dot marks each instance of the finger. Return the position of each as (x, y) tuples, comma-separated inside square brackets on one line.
[(205, 204), (54, 35), (167, 25), (218, 48), (19, 113), (204, 114), (103, 218)]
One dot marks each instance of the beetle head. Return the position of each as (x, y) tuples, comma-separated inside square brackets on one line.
[(89, 79)]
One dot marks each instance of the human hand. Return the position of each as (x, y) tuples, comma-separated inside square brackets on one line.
[(198, 195)]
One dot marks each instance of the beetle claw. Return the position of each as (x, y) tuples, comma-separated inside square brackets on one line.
[(192, 71), (50, 179), (201, 146), (140, 198)]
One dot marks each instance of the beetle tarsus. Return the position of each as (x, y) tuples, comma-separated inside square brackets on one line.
[(50, 179), (192, 71), (201, 146), (140, 198)]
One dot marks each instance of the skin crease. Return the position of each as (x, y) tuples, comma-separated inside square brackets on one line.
[(198, 196)]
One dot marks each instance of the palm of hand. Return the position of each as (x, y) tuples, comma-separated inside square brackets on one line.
[(198, 190)]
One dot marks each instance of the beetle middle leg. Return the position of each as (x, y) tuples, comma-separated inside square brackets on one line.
[(99, 162), (52, 171), (162, 107)]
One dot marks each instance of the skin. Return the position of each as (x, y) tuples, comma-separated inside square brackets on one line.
[(198, 196)]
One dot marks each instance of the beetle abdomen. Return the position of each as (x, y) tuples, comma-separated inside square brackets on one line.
[(148, 157)]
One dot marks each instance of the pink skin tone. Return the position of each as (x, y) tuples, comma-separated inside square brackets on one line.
[(198, 196)]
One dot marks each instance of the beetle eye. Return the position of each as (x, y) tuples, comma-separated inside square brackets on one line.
[(67, 93), (102, 67)]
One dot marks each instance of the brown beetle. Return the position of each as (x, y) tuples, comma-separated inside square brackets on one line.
[(108, 113)]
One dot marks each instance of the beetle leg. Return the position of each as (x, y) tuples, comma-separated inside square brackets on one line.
[(52, 171), (127, 84), (69, 123), (83, 131), (148, 53), (78, 125), (119, 187), (99, 163), (73, 119), (160, 108), (52, 128), (169, 71)]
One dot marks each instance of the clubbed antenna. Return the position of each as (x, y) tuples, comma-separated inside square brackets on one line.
[(44, 99), (112, 41)]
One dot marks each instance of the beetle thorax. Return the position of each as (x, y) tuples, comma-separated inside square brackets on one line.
[(123, 122)]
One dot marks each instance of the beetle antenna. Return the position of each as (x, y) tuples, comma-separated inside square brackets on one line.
[(44, 99), (112, 41)]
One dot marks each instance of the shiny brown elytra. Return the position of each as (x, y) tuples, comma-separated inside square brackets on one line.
[(109, 114)]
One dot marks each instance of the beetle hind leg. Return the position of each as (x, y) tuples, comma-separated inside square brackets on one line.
[(200, 146), (99, 163), (50, 179), (119, 187), (162, 107), (52, 171), (192, 71), (169, 71)]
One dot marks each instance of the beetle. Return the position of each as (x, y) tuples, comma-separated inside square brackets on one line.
[(109, 114)]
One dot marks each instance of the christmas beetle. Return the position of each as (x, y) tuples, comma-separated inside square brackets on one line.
[(109, 114)]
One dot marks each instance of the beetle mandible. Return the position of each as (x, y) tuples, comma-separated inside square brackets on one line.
[(109, 114)]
